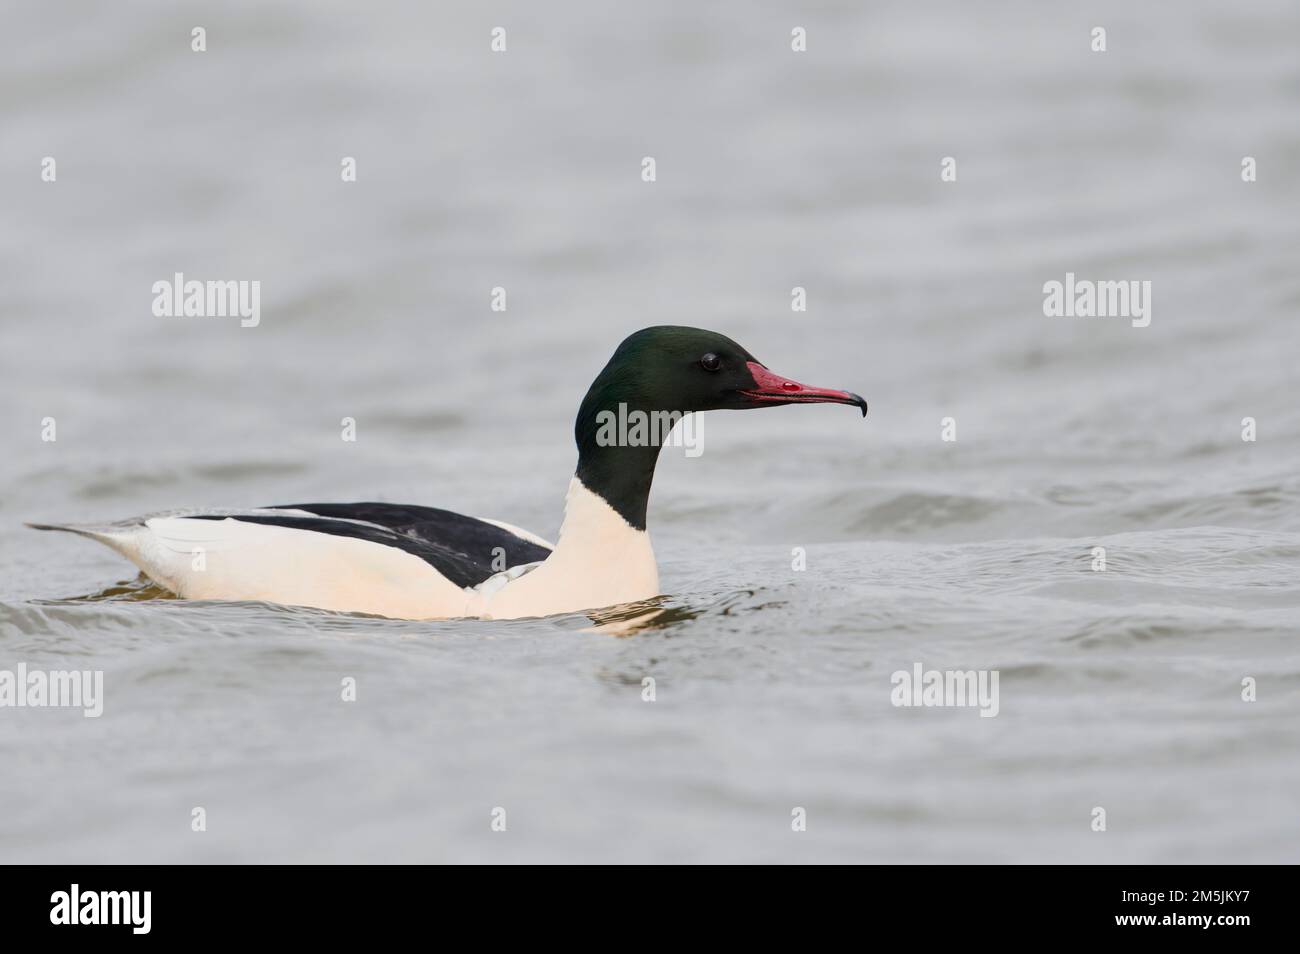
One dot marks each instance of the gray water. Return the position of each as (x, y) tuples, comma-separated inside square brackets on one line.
[(1119, 689)]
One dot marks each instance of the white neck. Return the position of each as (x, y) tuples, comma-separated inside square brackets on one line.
[(599, 560)]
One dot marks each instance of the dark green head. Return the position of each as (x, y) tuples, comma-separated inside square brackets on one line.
[(657, 375)]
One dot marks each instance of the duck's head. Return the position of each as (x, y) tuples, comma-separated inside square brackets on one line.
[(673, 370)]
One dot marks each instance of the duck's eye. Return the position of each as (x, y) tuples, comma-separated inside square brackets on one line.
[(710, 362)]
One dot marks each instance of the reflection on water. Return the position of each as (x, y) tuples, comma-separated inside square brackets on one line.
[(130, 591), (628, 619)]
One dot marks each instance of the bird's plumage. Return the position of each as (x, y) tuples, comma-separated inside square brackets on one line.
[(418, 562)]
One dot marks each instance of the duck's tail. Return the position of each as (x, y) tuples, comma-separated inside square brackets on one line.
[(103, 532)]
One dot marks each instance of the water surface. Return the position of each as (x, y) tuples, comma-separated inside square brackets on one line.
[(1119, 689)]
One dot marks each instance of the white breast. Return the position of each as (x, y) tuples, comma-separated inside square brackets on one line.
[(599, 560)]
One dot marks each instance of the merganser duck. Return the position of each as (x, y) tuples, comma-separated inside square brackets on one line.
[(412, 562)]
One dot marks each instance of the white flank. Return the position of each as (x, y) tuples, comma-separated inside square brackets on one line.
[(233, 560)]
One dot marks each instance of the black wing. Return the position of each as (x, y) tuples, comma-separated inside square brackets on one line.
[(465, 550)]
